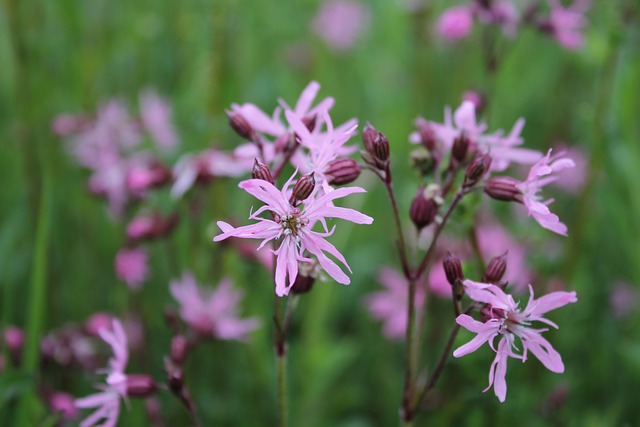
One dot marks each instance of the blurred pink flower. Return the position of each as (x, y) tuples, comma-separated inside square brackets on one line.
[(390, 305), (503, 317), (573, 179), (502, 13), (503, 149), (132, 267), (108, 400), (294, 225), (623, 299), (455, 23), (64, 404), (212, 312), (340, 23), (539, 176), (155, 113), (566, 24)]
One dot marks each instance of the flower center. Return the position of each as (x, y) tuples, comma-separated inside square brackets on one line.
[(292, 223)]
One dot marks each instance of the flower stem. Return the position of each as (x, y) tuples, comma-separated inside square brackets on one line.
[(279, 342)]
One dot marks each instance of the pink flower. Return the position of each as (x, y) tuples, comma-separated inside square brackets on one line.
[(455, 23), (132, 267), (503, 149), (390, 305), (566, 24), (64, 404), (340, 23), (503, 317), (211, 312), (155, 113), (539, 176), (501, 13), (108, 400), (294, 225), (573, 179)]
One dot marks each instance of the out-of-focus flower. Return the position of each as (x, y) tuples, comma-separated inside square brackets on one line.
[(503, 149), (573, 179), (108, 400), (155, 113), (390, 305), (502, 13), (294, 225), (455, 23), (340, 23), (209, 164), (132, 267), (539, 176), (212, 312), (566, 23), (148, 226), (64, 404), (623, 299), (502, 316)]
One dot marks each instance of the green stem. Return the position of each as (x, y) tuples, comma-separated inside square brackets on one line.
[(279, 341)]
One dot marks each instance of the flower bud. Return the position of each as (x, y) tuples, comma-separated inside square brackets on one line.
[(303, 189), (425, 206), (179, 349), (476, 170), (377, 146), (381, 148), (261, 171), (307, 274), (452, 268), (496, 269), (460, 147), (140, 385), (241, 125), (503, 188), (369, 133), (427, 134), (175, 379), (342, 171)]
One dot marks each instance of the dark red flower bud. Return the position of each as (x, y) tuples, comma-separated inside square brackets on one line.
[(496, 269), (342, 171), (241, 125), (140, 385), (452, 268), (302, 284), (175, 379), (381, 149), (503, 188), (476, 170), (179, 349), (303, 189), (261, 171), (424, 207), (460, 148), (369, 134)]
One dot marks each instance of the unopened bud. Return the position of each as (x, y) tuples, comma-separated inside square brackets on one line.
[(302, 284), (496, 269), (241, 125), (140, 385), (303, 189), (381, 149), (424, 207), (261, 171), (503, 188), (175, 379), (476, 170), (369, 134), (452, 268), (423, 161), (342, 171), (460, 147), (179, 349)]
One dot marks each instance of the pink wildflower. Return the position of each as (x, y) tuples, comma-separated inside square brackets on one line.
[(503, 317), (294, 225), (340, 23), (566, 24), (211, 312), (108, 400), (503, 149), (132, 267), (455, 23), (390, 305), (155, 113), (539, 176)]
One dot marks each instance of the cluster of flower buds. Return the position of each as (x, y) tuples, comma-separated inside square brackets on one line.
[(376, 147)]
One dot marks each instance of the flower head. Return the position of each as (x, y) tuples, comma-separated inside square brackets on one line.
[(539, 176), (340, 23), (132, 267), (566, 23), (108, 400), (503, 317), (211, 312), (455, 23), (293, 225)]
